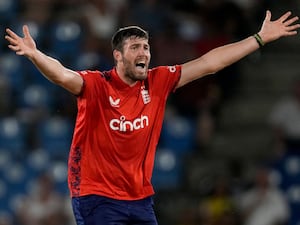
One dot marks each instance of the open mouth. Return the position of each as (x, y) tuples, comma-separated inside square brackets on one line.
[(140, 65)]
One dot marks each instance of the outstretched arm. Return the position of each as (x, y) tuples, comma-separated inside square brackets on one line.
[(221, 57), (52, 69)]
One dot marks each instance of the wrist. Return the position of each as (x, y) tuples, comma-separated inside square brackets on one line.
[(259, 40), (33, 55)]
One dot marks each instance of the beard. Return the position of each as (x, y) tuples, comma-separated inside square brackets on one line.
[(135, 72)]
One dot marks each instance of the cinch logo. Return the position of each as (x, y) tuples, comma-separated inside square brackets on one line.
[(126, 125)]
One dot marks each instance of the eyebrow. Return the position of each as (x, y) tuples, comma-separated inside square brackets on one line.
[(139, 44)]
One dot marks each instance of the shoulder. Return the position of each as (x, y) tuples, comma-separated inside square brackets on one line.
[(165, 72), (165, 77), (94, 80), (89, 72), (95, 74), (165, 69)]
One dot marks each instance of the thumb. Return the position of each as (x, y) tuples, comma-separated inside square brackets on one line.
[(26, 31), (268, 15)]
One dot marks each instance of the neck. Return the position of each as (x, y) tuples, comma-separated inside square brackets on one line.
[(126, 79)]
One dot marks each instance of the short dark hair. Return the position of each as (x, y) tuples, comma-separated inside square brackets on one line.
[(126, 32)]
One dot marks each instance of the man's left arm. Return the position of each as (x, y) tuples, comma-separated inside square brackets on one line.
[(221, 57)]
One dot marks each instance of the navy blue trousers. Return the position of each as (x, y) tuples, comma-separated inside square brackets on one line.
[(99, 210)]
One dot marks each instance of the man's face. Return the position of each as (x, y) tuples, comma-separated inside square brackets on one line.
[(135, 58)]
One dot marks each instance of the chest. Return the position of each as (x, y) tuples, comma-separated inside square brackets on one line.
[(132, 101)]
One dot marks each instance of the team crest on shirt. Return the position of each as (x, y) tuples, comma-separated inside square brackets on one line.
[(114, 103), (145, 95)]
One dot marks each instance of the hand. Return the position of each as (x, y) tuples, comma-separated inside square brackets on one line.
[(22, 46), (284, 26)]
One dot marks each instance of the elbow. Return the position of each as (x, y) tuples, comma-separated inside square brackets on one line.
[(57, 80), (212, 66), (213, 69), (61, 78), (214, 63), (216, 67)]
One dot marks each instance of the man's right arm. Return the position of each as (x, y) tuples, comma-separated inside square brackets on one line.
[(54, 71), (51, 68)]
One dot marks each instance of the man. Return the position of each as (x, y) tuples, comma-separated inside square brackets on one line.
[(120, 114), (263, 203)]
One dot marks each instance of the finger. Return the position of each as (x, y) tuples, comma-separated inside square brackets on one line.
[(293, 27), (290, 21), (20, 53), (14, 47), (26, 31), (11, 40), (291, 33), (11, 33), (284, 16)]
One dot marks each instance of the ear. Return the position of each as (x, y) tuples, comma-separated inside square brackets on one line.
[(117, 55)]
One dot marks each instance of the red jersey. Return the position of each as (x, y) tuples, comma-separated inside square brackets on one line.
[(116, 133)]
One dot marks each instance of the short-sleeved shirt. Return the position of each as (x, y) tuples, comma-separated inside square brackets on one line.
[(116, 133)]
